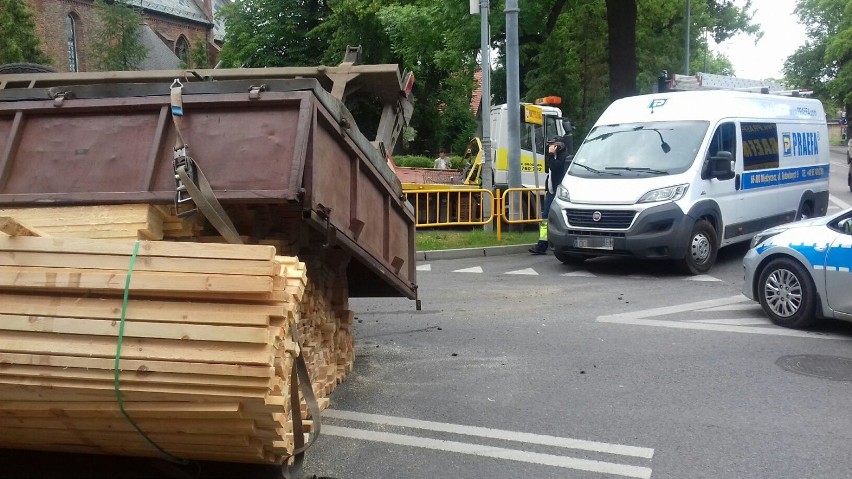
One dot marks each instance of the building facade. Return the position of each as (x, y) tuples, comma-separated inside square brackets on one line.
[(172, 28)]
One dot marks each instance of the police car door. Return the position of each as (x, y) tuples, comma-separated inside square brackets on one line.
[(838, 269)]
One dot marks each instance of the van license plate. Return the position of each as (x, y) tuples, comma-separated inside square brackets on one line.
[(593, 243)]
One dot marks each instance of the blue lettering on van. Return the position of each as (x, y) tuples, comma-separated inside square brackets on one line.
[(804, 143), (767, 178)]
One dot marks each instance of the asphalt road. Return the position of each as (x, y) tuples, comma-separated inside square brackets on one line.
[(519, 366)]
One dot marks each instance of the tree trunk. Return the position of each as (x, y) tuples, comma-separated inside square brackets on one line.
[(621, 24)]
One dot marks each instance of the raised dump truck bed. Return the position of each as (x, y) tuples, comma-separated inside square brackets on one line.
[(281, 151)]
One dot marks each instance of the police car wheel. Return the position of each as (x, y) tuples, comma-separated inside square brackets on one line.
[(567, 258), (701, 250), (787, 294)]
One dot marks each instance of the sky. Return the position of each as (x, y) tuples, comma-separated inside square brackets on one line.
[(782, 35)]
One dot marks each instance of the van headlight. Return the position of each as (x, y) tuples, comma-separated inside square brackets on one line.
[(562, 193), (672, 193)]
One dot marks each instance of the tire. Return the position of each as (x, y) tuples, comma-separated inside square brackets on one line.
[(787, 294), (567, 258), (701, 249), (806, 211), (849, 179), (26, 68)]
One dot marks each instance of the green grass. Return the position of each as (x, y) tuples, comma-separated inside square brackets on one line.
[(430, 240)]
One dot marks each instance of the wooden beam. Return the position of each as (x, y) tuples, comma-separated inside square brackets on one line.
[(12, 227)]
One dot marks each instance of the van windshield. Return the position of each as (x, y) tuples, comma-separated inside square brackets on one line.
[(634, 150)]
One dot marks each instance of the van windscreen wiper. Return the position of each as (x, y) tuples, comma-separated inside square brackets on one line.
[(599, 172), (642, 169)]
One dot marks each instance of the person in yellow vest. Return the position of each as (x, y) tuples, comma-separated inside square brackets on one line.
[(556, 163)]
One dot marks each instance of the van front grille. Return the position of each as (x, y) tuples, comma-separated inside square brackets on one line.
[(615, 219)]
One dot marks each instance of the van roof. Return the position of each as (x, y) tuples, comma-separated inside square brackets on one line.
[(713, 105)]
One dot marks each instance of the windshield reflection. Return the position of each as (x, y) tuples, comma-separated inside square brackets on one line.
[(633, 150)]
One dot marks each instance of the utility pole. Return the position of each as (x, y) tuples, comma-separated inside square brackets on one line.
[(688, 14), (513, 102), (485, 112)]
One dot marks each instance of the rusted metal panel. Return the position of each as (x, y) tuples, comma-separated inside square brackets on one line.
[(294, 144)]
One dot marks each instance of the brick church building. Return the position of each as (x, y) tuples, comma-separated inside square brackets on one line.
[(171, 29)]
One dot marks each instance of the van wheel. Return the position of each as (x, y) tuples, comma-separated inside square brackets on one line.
[(701, 250), (787, 294), (806, 211), (568, 258)]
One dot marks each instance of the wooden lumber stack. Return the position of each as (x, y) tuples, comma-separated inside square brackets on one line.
[(131, 221), (206, 353)]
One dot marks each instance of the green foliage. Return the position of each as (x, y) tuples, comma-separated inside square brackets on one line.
[(117, 44), (272, 33), (824, 63), (432, 239), (19, 42), (456, 162), (199, 56)]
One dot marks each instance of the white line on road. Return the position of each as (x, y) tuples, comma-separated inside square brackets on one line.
[(580, 274), (486, 432), (702, 277), (723, 328), (528, 271), (680, 308), (733, 321), (424, 267), (751, 305), (490, 451), (837, 201), (475, 269)]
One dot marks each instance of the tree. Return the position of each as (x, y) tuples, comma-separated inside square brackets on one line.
[(117, 44), (19, 42), (270, 33), (198, 55), (824, 63)]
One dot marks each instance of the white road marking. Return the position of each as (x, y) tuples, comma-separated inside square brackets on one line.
[(702, 277), (733, 322), (489, 433), (582, 274), (751, 305), (725, 328), (475, 269), (424, 267), (641, 318), (837, 201), (492, 452), (528, 271), (638, 276)]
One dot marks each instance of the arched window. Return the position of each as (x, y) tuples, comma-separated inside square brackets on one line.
[(182, 49), (71, 33)]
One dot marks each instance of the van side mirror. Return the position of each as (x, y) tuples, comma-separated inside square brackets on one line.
[(720, 166)]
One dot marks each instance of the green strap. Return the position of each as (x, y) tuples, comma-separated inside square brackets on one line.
[(118, 360)]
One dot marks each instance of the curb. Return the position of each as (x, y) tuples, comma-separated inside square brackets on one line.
[(470, 252)]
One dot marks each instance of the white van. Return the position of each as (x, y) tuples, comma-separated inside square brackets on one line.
[(678, 175)]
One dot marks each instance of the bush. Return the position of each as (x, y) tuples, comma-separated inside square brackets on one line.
[(425, 162)]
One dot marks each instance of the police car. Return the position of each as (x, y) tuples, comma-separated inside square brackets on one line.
[(800, 272)]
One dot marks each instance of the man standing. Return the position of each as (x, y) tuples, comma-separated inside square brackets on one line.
[(556, 163)]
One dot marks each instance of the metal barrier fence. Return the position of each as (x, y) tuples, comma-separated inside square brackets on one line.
[(447, 207)]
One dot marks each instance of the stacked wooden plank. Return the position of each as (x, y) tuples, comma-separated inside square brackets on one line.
[(130, 221), (206, 353)]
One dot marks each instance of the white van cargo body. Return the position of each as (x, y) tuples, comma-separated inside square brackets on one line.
[(678, 175)]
